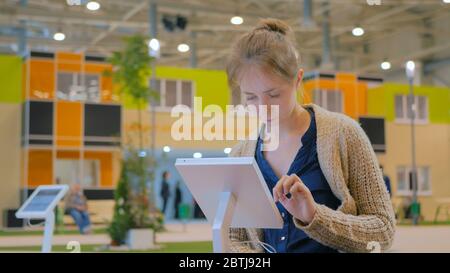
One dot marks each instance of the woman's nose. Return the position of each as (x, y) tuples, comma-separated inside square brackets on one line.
[(265, 102)]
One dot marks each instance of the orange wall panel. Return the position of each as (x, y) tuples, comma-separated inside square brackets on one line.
[(354, 92), (106, 166), (107, 89), (69, 67), (362, 96), (68, 154), (326, 84), (69, 57), (69, 62), (40, 168), (68, 124), (96, 68), (42, 79), (345, 77), (350, 97)]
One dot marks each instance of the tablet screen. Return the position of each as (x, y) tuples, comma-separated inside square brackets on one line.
[(42, 200)]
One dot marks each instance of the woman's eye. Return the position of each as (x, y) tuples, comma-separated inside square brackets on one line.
[(251, 98), (274, 95)]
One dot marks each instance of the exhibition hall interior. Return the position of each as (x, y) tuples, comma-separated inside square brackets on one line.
[(94, 94)]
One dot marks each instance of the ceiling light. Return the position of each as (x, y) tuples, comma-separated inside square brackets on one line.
[(385, 65), (358, 31), (92, 5), (59, 36), (410, 69), (183, 48), (236, 20), (166, 149)]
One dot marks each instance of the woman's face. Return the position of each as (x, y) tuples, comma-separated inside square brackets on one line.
[(260, 87)]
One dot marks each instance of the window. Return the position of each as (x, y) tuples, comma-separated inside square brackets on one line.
[(404, 105), (374, 128), (40, 127), (78, 87), (328, 99), (174, 92), (404, 183), (69, 171), (186, 93), (102, 124)]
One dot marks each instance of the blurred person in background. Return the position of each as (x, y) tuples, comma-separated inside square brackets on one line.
[(76, 206)]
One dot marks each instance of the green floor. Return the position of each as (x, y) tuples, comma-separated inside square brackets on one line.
[(185, 247), (40, 232)]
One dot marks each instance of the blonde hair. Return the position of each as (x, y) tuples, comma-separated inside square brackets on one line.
[(270, 45)]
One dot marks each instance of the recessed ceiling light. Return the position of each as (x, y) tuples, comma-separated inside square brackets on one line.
[(183, 48), (166, 149), (92, 5), (385, 65), (236, 20), (410, 69), (358, 31), (197, 155), (59, 36)]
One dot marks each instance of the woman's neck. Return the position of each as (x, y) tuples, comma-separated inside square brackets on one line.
[(296, 123)]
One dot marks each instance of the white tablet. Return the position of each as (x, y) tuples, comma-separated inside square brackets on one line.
[(42, 201), (207, 178)]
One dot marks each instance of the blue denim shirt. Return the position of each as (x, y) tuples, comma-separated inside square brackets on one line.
[(306, 166)]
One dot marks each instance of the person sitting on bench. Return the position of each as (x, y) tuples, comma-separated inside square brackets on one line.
[(76, 206)]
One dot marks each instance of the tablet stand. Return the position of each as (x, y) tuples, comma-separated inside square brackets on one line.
[(48, 232), (222, 222)]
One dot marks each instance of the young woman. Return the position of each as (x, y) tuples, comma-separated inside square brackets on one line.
[(338, 200)]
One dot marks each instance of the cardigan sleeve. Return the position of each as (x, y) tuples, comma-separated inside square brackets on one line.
[(374, 220), (240, 243)]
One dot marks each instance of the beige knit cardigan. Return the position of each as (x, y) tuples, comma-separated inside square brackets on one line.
[(350, 167)]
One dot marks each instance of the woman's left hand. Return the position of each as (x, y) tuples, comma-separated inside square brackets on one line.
[(301, 203)]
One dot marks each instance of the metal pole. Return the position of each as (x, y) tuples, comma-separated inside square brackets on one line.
[(326, 56), (413, 154), (193, 49), (152, 12), (23, 52), (48, 232), (22, 34), (307, 13), (153, 27)]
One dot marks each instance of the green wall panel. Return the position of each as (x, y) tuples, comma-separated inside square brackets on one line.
[(10, 79)]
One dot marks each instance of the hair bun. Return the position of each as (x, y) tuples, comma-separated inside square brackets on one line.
[(274, 25)]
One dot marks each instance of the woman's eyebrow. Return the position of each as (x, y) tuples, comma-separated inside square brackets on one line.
[(270, 90), (267, 91)]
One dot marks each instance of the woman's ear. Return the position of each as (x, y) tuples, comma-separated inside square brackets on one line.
[(299, 78)]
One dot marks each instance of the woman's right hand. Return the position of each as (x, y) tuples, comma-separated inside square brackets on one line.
[(301, 203)]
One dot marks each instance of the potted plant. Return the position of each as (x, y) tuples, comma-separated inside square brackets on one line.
[(136, 217)]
